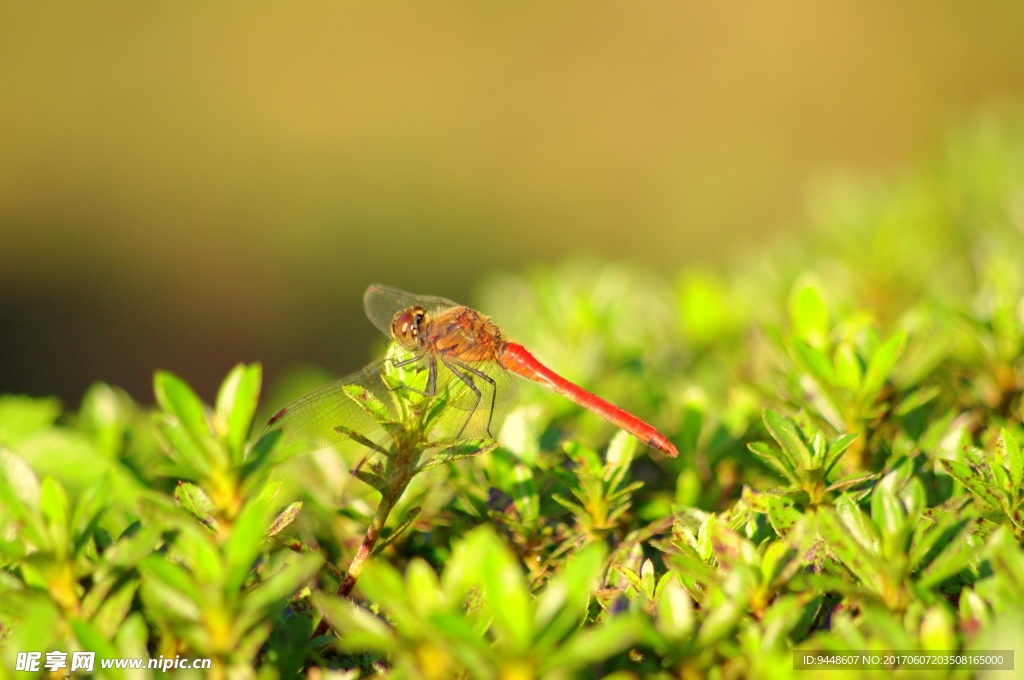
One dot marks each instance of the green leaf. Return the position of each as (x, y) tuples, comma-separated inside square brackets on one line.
[(438, 406), (369, 403), (951, 561), (889, 627), (887, 510), (851, 481), (917, 398), (595, 643), (814, 363), (675, 619), (688, 488), (68, 455), (276, 589), (288, 644), (1013, 455), (358, 438), (170, 589), (461, 574), (786, 613), (22, 416), (574, 508), (777, 556), (631, 576), (974, 482), (245, 542), (1001, 479), (774, 459), (524, 495), (721, 621), (423, 587), (132, 637), (134, 544), (383, 584), (177, 398), (881, 364), (186, 430), (782, 515), (193, 499), (36, 632), (807, 310), (506, 596), (237, 400), (284, 518), (407, 519), (786, 432), (914, 497), (111, 615), (938, 628), (973, 610), (647, 579), (362, 630), (706, 311), (939, 533), (196, 548), (184, 449), (372, 479), (836, 450), (858, 523), (53, 503), (90, 638), (20, 492), (618, 458), (848, 370), (689, 432), (105, 413), (468, 448), (464, 639), (855, 556), (562, 605)]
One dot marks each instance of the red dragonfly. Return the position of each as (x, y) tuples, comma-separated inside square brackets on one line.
[(459, 348)]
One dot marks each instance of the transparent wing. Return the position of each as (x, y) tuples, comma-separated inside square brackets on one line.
[(312, 419), (309, 423), (383, 302), (476, 397), (479, 396)]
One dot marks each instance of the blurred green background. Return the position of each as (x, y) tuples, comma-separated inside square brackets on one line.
[(188, 185)]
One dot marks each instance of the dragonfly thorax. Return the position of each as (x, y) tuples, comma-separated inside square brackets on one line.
[(406, 326)]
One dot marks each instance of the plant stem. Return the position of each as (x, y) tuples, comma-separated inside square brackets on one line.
[(380, 518), (398, 475)]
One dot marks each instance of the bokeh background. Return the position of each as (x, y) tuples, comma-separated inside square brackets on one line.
[(188, 185)]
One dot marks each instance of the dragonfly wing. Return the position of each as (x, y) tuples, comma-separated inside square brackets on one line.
[(383, 302), (312, 419)]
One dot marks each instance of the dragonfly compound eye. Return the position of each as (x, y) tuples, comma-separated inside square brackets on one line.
[(405, 328)]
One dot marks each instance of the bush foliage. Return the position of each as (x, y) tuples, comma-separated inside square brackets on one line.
[(848, 412)]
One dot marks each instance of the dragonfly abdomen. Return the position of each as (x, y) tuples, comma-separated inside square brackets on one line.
[(518, 360)]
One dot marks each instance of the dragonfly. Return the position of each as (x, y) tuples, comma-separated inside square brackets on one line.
[(460, 351)]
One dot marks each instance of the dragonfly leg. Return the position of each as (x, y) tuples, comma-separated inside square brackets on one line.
[(465, 369), (405, 362), (455, 369), (431, 377)]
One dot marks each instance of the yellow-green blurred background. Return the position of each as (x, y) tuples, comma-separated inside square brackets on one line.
[(187, 185)]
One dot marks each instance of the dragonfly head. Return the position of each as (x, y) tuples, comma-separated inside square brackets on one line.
[(405, 327)]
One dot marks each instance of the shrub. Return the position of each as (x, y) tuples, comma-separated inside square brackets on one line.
[(848, 413)]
